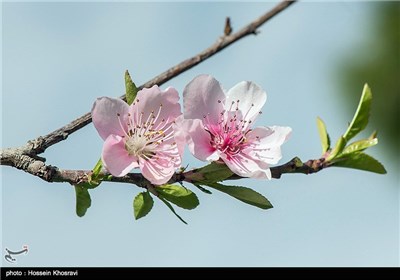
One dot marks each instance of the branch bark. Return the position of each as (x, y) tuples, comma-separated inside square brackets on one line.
[(37, 167), (26, 157)]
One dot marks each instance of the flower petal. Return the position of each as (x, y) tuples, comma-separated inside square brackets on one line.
[(246, 166), (174, 154), (105, 118), (115, 157), (163, 105), (179, 134), (251, 99), (198, 140), (265, 143), (169, 153), (158, 172), (203, 96)]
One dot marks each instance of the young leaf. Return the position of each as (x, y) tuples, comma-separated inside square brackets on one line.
[(142, 205), (83, 200), (361, 161), (95, 178), (131, 89), (360, 119), (338, 149), (243, 194), (323, 135), (179, 196), (360, 145), (373, 135), (172, 209), (214, 172), (97, 168)]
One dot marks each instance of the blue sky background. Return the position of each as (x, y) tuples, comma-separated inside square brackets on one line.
[(57, 58)]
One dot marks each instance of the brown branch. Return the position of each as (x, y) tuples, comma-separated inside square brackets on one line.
[(37, 167), (40, 144), (26, 157)]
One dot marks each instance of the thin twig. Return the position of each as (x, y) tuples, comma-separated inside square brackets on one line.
[(26, 157), (40, 144)]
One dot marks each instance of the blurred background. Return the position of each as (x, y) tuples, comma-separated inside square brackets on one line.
[(312, 59)]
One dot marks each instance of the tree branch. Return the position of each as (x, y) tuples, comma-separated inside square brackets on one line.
[(37, 167), (40, 144), (26, 157)]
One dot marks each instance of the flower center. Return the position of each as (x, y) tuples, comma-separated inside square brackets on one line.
[(137, 146), (145, 133), (228, 135)]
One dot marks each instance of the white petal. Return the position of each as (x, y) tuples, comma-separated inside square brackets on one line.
[(266, 142), (251, 99), (269, 137), (245, 166)]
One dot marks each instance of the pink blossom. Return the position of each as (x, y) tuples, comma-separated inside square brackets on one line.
[(218, 127), (141, 135)]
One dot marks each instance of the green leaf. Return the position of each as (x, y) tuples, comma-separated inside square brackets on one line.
[(361, 161), (142, 205), (338, 149), (244, 194), (131, 89), (83, 200), (204, 190), (214, 172), (360, 145), (172, 209), (323, 135), (360, 119), (179, 196), (88, 185), (92, 183), (97, 168)]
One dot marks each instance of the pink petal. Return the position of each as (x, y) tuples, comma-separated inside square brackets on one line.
[(203, 96), (163, 104), (169, 153), (174, 154), (267, 147), (179, 134), (251, 99), (105, 118), (198, 140), (158, 172), (115, 157)]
